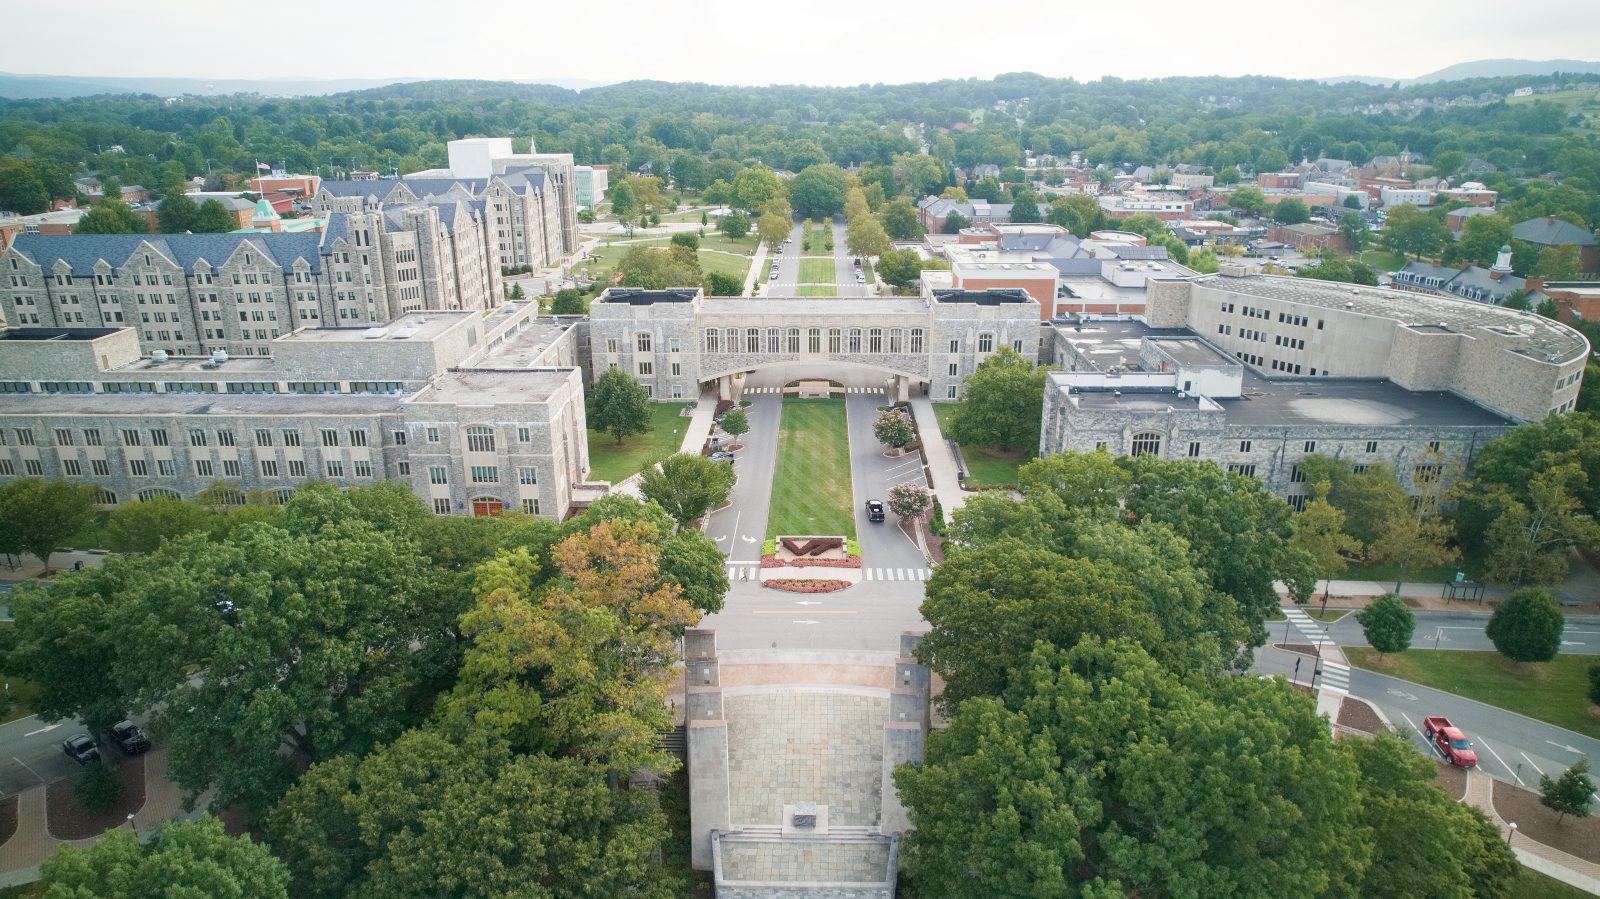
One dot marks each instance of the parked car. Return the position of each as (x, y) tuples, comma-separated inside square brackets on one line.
[(773, 276), (129, 737), (1449, 741), (874, 510), (81, 748), (722, 456)]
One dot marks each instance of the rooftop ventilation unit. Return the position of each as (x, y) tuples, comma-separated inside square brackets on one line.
[(158, 356), (219, 357), (374, 333)]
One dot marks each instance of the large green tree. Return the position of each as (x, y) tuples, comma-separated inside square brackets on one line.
[(111, 217), (1532, 537), (1527, 625), (177, 213), (186, 859), (900, 220), (900, 268), (1411, 232), (754, 187), (213, 218), (865, 236), (655, 268), (1570, 794), (1388, 624), (687, 486), (42, 515), (21, 189), (619, 406), (427, 817), (818, 191), (1291, 211), (1001, 403), (141, 526), (1098, 774)]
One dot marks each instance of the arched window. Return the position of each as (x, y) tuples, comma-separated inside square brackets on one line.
[(282, 495), (104, 497), (833, 340), (483, 506), (855, 341), (814, 340), (1146, 442), (713, 340), (774, 340), (875, 340), (794, 340), (916, 341), (897, 340), (155, 492), (480, 439), (986, 342), (641, 341), (752, 340)]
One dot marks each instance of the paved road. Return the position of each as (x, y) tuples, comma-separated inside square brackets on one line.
[(1511, 747), (1464, 630), (32, 753), (844, 270), (883, 545), (740, 528), (788, 259)]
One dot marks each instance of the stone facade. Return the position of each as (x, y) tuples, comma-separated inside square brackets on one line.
[(674, 341), (474, 413)]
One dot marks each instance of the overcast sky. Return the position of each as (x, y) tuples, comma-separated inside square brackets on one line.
[(815, 42)]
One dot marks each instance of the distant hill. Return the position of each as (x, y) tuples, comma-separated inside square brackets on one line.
[(27, 87), (1482, 68)]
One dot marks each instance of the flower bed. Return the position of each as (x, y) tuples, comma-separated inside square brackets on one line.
[(791, 585), (771, 561)]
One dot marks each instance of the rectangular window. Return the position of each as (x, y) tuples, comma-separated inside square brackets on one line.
[(363, 468), (1297, 502), (1297, 475), (9, 468), (139, 468), (530, 507), (485, 474), (1311, 446), (358, 437), (1434, 445), (63, 436), (230, 468), (130, 437), (1372, 446), (1248, 469), (527, 475), (334, 467), (646, 369), (197, 437), (950, 392), (955, 368), (35, 469), (1244, 446), (1194, 449), (481, 439), (438, 475), (399, 438), (297, 468), (263, 437), (225, 438), (441, 507), (404, 468), (330, 437), (433, 435), (269, 468), (72, 468), (202, 468), (100, 467), (291, 438), (91, 437), (524, 434)]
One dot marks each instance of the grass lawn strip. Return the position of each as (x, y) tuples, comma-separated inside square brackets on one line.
[(609, 461), (811, 488), (1553, 691), (982, 468), (815, 290), (817, 271)]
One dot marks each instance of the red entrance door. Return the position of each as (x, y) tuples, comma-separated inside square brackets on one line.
[(484, 507)]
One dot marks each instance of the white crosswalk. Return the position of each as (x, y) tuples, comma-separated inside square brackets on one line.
[(1335, 675), (898, 574), (742, 571), (860, 390)]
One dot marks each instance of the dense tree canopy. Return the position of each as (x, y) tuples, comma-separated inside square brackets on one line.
[(187, 858)]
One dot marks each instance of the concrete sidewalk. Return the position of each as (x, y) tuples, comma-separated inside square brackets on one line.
[(941, 463), (755, 269), (1569, 869)]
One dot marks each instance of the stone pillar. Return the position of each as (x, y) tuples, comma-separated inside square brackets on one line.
[(725, 388), (709, 809), (905, 734), (902, 389)]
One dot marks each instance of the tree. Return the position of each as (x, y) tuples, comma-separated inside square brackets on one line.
[(1558, 263), (619, 406), (43, 514), (1482, 236), (718, 284), (686, 239), (623, 202), (1594, 684), (917, 174), (1291, 211), (954, 222), (1099, 774), (1423, 842), (1367, 498), (187, 858), (1353, 202), (1299, 572), (98, 788), (1025, 209), (735, 424), (987, 188), (754, 186), (908, 500), (900, 268), (855, 204), (1002, 403), (1411, 232), (1343, 269), (139, 527), (1569, 794), (1412, 540), (687, 486), (1354, 228), (654, 268), (1319, 531), (900, 220), (427, 816), (865, 236), (1205, 262), (1531, 538), (111, 217), (21, 189), (735, 225), (1248, 199), (893, 428), (177, 213), (568, 301), (1388, 624), (818, 191), (773, 228), (1527, 626)]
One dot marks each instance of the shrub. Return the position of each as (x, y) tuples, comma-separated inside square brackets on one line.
[(99, 788), (803, 585), (936, 519)]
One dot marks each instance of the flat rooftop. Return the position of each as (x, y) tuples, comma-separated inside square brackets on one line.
[(486, 387), (815, 305), (1192, 351), (425, 325), (43, 334), (145, 368), (1337, 401), (995, 296), (524, 349), (635, 296), (200, 404), (1546, 340), (1115, 344)]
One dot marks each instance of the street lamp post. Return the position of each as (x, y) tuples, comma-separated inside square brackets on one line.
[(1511, 831)]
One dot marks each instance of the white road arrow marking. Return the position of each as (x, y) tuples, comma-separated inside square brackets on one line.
[(808, 621), (813, 602), (748, 539), (1567, 748), (1571, 643), (1402, 694), (51, 727), (722, 538)]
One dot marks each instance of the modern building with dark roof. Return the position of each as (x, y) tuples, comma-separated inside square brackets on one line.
[(1553, 232)]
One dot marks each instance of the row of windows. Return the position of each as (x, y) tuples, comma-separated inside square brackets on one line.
[(235, 387), (486, 505), (839, 340), (483, 474)]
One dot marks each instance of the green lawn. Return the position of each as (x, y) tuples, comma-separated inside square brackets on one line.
[(982, 468), (866, 269), (1383, 260), (815, 290), (716, 241), (1438, 574), (818, 271), (16, 700), (817, 237), (728, 264), (1533, 885), (609, 461), (731, 261), (1552, 691), (811, 492)]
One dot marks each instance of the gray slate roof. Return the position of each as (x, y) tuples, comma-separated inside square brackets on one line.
[(82, 251), (1545, 233), (1470, 283)]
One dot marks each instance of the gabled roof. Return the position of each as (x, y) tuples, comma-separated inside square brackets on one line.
[(1551, 233), (82, 251)]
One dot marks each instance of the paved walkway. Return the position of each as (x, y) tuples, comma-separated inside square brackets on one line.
[(941, 463), (756, 269), (1569, 869)]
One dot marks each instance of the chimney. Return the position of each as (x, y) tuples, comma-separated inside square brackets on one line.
[(1551, 220), (1496, 274)]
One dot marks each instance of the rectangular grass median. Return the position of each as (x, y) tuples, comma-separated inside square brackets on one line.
[(811, 493)]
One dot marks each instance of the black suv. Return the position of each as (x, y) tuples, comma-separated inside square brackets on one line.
[(874, 510), (129, 738), (81, 749)]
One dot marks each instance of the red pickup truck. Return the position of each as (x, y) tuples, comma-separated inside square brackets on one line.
[(1450, 741)]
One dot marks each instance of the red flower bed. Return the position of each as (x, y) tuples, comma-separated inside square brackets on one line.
[(813, 546), (802, 585), (775, 562)]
